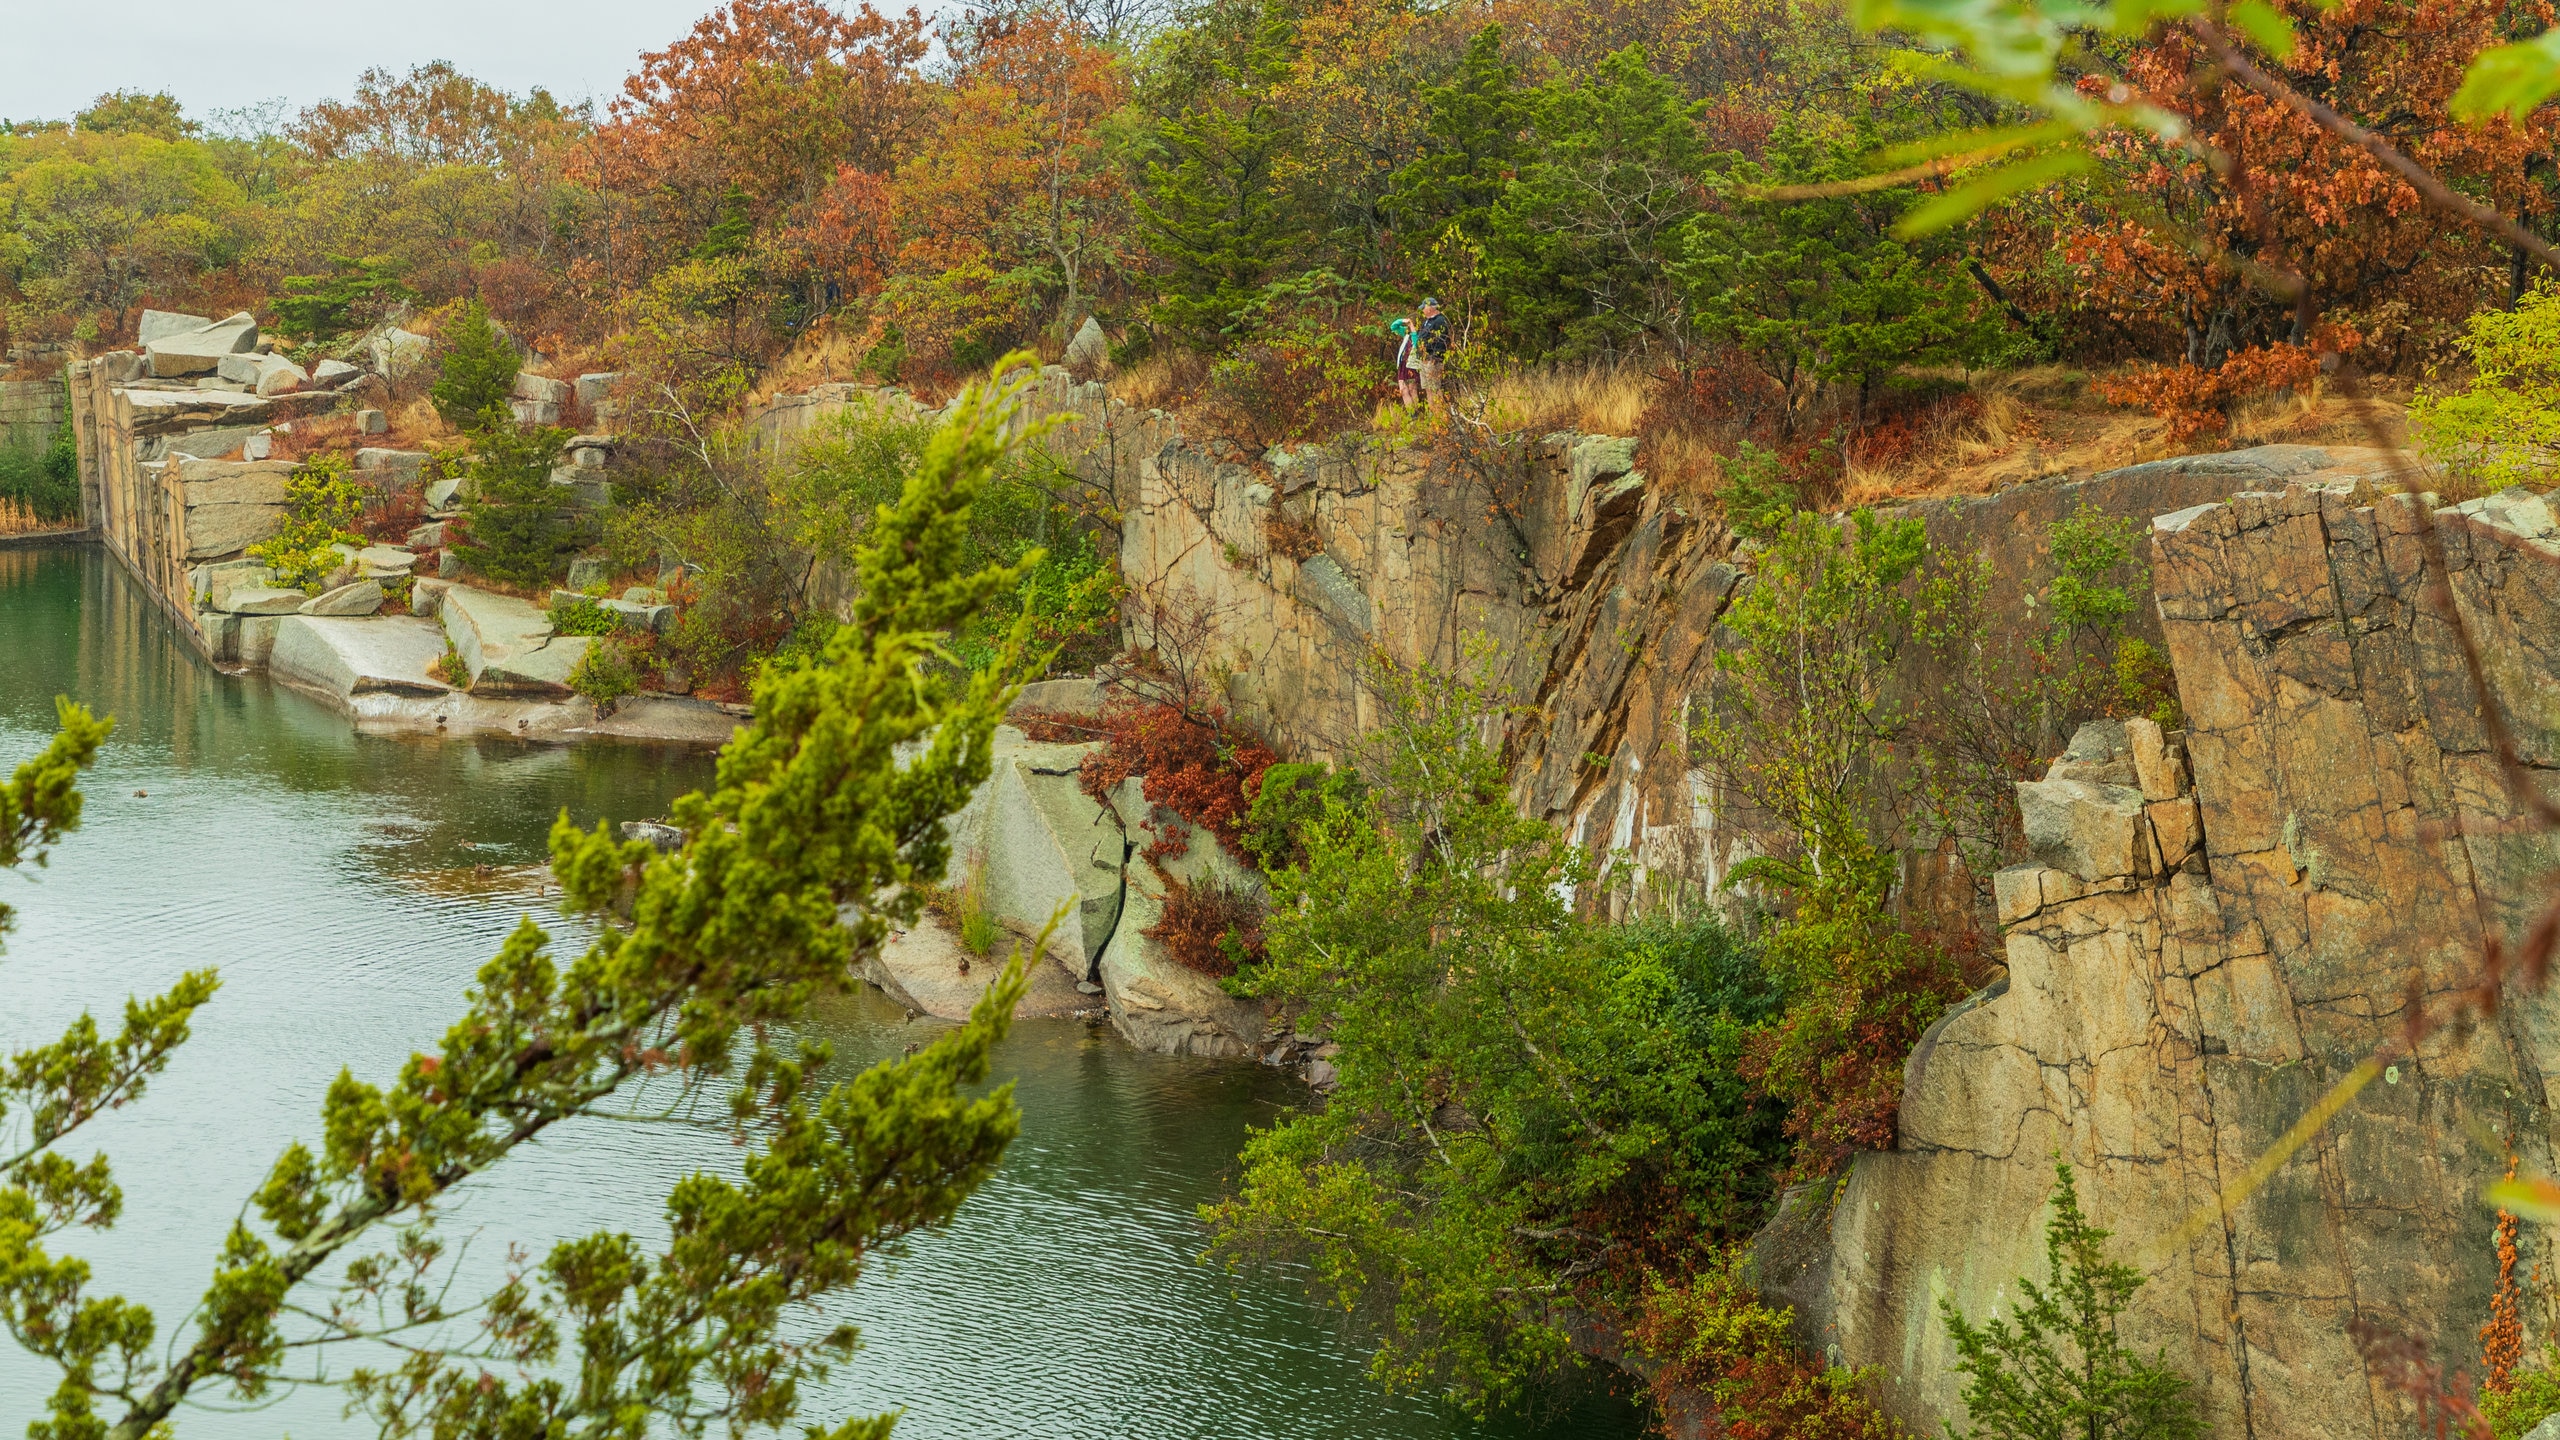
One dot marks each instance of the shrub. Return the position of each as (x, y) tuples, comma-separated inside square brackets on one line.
[(1209, 927), (2059, 1369), (518, 526), (1197, 772), (583, 617), (2531, 1397), (2499, 430), (2197, 402), (1289, 798), (477, 374), (1711, 1336), (605, 676), (351, 295), (326, 504), (451, 668), (44, 479), (1758, 495)]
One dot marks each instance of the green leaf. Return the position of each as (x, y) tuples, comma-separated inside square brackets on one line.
[(2533, 1197), (2510, 79), (2269, 30), (1984, 191), (1988, 142)]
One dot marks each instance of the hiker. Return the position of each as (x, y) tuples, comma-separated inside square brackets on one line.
[(1406, 376), (1430, 343)]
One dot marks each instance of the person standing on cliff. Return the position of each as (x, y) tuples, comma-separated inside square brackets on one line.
[(1406, 349), (1431, 344)]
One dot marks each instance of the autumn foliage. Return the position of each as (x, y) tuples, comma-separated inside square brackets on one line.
[(1203, 774)]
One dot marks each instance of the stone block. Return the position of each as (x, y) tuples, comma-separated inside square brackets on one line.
[(2153, 770), (448, 566), (200, 351), (344, 657), (593, 389), (443, 494), (406, 465), (395, 352), (641, 619), (2089, 830), (429, 536), (330, 374), (214, 530), (2019, 892), (2101, 752), (263, 600), (1089, 348), (2178, 829), (259, 446), (258, 638), (212, 585), (361, 598), (221, 633), (588, 571), (649, 595), (372, 422), (426, 595), (542, 388), (161, 324), (383, 561), (535, 412)]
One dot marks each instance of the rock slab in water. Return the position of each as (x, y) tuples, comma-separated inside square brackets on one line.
[(361, 598), (348, 657)]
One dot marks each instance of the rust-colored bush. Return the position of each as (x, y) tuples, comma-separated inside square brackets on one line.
[(2197, 402), (1208, 927), (1717, 1343), (1203, 774), (1288, 535)]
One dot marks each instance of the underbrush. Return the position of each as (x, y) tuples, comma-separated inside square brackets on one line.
[(40, 484)]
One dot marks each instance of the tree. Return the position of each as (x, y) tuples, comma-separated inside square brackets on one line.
[(2059, 1372), (517, 526), (97, 223), (1819, 291), (1477, 124), (476, 374), (1532, 1108), (1579, 262), (1214, 209), (827, 812), (131, 112)]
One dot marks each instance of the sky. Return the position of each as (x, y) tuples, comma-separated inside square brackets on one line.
[(58, 55)]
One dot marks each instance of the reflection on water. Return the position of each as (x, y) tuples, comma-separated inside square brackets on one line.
[(348, 886)]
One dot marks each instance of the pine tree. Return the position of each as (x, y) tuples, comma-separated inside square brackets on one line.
[(1579, 241), (1822, 291), (1478, 121), (2059, 1372), (1214, 208), (478, 372), (517, 524), (826, 813)]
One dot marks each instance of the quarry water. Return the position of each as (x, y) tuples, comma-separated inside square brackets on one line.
[(347, 887)]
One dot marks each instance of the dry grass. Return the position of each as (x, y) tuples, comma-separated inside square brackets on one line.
[(825, 355), (1154, 383), (1595, 400)]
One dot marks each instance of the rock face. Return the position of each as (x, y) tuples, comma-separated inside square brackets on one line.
[(1156, 1002), (230, 505), (2218, 926), (1042, 847)]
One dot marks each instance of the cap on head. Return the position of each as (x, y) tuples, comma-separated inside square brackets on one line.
[(1430, 303)]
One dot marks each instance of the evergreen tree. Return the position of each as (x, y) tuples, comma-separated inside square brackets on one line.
[(478, 372), (1477, 123), (1577, 260), (827, 812), (517, 525), (1819, 291), (2059, 1372), (1214, 207)]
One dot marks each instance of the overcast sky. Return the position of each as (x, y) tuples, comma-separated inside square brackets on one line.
[(58, 55)]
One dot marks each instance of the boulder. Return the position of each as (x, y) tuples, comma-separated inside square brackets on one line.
[(543, 388), (395, 352), (200, 351), (1089, 348), (211, 585), (350, 657), (535, 412), (1156, 1003), (220, 632), (161, 324), (264, 374), (405, 465), (588, 486), (429, 536), (2096, 832), (258, 638), (448, 566), (330, 374), (426, 595), (1040, 843), (370, 421), (385, 561), (361, 598), (2102, 753), (645, 595), (595, 389), (588, 571), (210, 443), (508, 644), (443, 494), (258, 446), (642, 619), (263, 600)]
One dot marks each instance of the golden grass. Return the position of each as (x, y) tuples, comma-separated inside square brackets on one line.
[(1597, 400), (1151, 384), (17, 518)]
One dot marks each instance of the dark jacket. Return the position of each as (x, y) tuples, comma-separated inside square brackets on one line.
[(1434, 335)]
